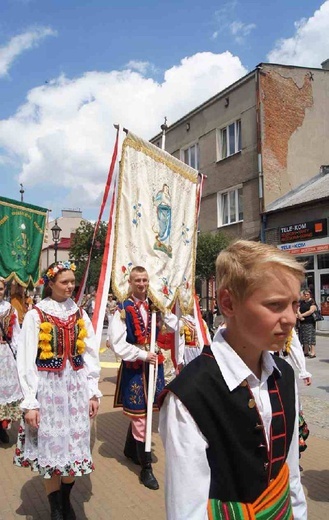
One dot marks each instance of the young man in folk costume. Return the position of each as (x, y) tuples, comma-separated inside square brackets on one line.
[(129, 337), (231, 416)]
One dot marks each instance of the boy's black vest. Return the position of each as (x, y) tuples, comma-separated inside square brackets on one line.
[(241, 466)]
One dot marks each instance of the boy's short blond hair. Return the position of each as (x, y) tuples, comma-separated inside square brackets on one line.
[(241, 267)]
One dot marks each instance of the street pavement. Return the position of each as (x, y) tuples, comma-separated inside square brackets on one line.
[(113, 491)]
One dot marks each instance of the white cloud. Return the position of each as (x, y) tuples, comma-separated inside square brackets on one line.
[(140, 66), (225, 12), (225, 22), (63, 135), (310, 44), (241, 30), (20, 43)]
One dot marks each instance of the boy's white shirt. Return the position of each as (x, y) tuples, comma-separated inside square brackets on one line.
[(187, 468)]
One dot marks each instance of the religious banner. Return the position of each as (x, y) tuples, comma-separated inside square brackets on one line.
[(22, 229), (156, 223)]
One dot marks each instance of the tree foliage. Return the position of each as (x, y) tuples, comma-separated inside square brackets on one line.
[(209, 245), (80, 248)]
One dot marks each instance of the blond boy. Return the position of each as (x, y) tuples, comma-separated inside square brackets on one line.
[(229, 421)]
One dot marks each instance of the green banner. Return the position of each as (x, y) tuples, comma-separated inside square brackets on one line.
[(22, 228)]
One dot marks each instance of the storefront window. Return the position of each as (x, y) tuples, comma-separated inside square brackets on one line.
[(323, 261), (324, 289), (307, 260)]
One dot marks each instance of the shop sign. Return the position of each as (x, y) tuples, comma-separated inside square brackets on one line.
[(306, 247), (303, 231)]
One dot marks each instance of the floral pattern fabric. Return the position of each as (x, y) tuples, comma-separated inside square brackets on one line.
[(61, 444), (10, 389), (10, 412)]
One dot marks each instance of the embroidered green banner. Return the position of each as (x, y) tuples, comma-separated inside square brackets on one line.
[(22, 229)]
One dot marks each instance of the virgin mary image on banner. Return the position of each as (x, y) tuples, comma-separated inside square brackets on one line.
[(162, 201)]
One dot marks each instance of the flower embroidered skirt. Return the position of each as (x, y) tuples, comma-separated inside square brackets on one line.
[(61, 444), (10, 390), (131, 388)]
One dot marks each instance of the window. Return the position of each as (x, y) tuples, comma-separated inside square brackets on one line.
[(308, 262), (230, 139), (190, 156), (230, 206), (308, 282), (323, 261)]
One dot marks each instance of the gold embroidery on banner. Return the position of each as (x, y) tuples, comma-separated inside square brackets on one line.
[(184, 171), (23, 209)]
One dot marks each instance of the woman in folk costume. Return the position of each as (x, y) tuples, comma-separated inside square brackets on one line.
[(58, 366), (293, 353), (190, 330), (10, 390)]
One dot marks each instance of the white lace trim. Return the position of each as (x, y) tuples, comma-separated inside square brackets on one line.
[(4, 306), (30, 403), (62, 310)]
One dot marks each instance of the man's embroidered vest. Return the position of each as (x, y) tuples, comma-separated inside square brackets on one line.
[(138, 333), (63, 343), (241, 465)]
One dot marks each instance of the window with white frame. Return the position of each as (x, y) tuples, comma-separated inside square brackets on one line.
[(230, 206), (230, 139), (190, 155)]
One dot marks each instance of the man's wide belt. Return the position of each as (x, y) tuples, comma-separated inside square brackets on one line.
[(273, 504)]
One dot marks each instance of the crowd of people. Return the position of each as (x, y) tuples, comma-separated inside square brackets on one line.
[(231, 421)]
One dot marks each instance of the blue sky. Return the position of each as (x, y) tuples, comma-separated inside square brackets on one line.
[(69, 69)]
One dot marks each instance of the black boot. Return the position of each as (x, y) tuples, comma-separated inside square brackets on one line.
[(55, 501), (4, 437), (146, 476), (130, 449), (68, 511)]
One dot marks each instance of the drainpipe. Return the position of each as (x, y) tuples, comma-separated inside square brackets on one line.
[(259, 157)]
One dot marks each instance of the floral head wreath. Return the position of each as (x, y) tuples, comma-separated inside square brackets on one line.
[(55, 269)]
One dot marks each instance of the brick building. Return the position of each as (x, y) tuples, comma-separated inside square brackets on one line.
[(257, 140)]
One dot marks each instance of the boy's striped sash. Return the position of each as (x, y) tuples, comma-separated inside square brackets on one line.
[(273, 504)]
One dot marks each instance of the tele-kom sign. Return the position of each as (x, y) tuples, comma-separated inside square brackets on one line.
[(308, 246)]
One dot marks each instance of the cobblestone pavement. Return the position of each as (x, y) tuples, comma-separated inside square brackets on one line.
[(113, 491)]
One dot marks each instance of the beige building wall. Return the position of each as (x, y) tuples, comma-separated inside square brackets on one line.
[(295, 126), (203, 126), (68, 222), (284, 114)]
